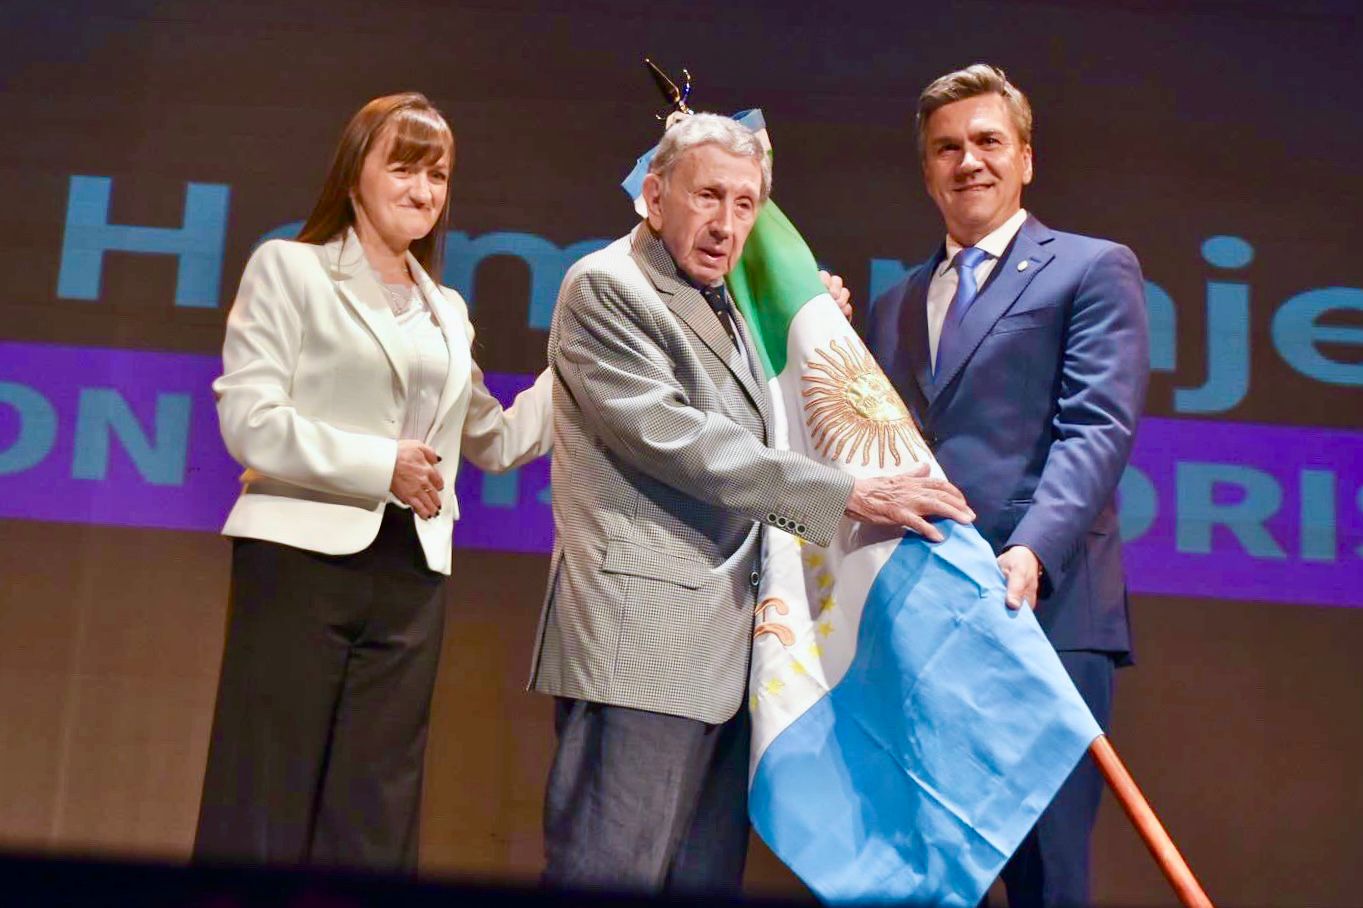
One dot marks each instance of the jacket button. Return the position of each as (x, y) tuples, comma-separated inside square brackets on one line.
[(754, 578), (799, 529), (771, 518)]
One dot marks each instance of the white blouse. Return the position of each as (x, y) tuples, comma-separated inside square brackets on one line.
[(428, 358)]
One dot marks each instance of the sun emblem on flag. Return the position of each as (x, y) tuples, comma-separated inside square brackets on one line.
[(851, 407)]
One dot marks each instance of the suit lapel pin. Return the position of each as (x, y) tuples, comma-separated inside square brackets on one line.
[(1022, 265)]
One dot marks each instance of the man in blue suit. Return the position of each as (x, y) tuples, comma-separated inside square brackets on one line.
[(1023, 353)]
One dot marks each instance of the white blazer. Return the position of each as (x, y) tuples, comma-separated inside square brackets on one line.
[(312, 394)]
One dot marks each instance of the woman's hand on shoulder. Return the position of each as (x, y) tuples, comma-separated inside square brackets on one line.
[(416, 482)]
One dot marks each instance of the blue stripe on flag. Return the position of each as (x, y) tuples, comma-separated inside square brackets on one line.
[(634, 183), (752, 119), (920, 773)]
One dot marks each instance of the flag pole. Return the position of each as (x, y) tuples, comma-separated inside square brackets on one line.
[(1166, 854)]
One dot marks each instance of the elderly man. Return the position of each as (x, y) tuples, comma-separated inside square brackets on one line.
[(1023, 352), (663, 479)]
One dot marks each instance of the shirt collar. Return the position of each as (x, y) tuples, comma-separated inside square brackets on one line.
[(996, 243)]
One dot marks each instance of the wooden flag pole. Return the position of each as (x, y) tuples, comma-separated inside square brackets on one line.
[(1148, 825)]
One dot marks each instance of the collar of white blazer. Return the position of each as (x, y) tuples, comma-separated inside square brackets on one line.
[(345, 262)]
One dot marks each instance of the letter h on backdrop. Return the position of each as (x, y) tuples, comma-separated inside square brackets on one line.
[(198, 242)]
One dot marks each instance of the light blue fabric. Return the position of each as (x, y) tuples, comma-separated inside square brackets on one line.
[(920, 773)]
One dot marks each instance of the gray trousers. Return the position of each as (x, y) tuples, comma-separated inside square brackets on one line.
[(320, 728), (644, 802)]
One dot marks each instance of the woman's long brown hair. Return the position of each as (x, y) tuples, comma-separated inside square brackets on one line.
[(420, 135)]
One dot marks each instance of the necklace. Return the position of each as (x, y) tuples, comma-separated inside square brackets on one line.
[(399, 296)]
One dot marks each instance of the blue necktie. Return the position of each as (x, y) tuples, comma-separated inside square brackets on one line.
[(964, 263)]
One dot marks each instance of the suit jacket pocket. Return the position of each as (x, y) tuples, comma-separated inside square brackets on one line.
[(997, 526), (624, 556), (1028, 318)]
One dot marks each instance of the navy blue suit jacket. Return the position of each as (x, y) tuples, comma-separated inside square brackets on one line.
[(1034, 415)]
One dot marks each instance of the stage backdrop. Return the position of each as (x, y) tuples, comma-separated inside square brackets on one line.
[(150, 146)]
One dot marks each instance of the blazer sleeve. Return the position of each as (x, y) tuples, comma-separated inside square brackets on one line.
[(1103, 379), (610, 354), (260, 425), (498, 439)]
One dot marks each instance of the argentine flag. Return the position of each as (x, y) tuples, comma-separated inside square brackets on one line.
[(908, 727)]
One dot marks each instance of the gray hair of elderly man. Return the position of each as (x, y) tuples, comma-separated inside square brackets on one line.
[(710, 129)]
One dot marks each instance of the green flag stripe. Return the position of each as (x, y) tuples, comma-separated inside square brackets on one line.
[(775, 277)]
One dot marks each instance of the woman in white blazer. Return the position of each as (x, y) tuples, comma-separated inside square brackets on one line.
[(348, 393)]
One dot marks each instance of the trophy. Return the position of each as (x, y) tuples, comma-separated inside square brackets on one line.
[(674, 97)]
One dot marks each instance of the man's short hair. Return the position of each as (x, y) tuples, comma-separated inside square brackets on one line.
[(976, 79), (710, 129)]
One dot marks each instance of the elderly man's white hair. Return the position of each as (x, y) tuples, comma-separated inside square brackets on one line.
[(710, 129)]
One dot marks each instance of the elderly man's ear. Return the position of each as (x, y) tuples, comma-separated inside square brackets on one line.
[(838, 290), (652, 194)]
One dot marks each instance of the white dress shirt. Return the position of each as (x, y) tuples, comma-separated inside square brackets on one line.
[(943, 286)]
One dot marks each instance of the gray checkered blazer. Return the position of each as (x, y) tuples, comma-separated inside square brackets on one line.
[(662, 480)]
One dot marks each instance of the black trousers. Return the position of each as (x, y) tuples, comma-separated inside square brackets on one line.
[(319, 732), (1050, 869), (645, 802)]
